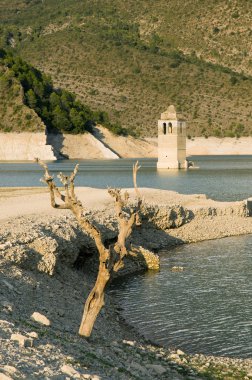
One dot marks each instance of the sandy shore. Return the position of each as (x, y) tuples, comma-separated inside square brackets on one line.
[(39, 250)]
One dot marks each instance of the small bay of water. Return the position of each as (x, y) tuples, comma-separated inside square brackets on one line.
[(219, 177), (206, 309)]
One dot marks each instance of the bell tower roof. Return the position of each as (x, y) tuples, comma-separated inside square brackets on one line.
[(172, 114)]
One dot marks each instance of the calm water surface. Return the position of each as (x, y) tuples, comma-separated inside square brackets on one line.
[(206, 309), (222, 178)]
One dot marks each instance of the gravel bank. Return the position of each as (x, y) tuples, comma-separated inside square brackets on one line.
[(48, 265)]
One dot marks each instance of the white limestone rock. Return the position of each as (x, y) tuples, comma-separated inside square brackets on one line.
[(40, 318), (33, 335), (10, 369), (5, 377), (70, 371), (22, 340), (180, 352)]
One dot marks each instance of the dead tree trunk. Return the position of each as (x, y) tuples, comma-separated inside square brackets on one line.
[(95, 301), (111, 259)]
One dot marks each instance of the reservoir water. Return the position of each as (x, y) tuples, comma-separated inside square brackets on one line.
[(206, 309), (223, 178)]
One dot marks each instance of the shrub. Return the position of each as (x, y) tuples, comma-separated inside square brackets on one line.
[(233, 80), (235, 14), (28, 116), (217, 132)]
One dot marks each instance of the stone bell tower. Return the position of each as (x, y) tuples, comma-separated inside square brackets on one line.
[(171, 140)]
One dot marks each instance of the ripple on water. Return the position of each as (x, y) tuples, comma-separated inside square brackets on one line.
[(204, 309)]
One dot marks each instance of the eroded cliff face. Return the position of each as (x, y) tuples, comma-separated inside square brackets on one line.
[(105, 145), (80, 146), (25, 146), (218, 146), (28, 145)]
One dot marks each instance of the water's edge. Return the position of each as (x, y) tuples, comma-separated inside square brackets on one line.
[(219, 177), (219, 335)]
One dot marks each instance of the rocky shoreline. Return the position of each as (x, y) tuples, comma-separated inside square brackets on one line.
[(47, 265), (103, 144)]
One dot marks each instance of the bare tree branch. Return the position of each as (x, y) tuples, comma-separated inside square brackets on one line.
[(48, 179), (136, 167), (110, 259)]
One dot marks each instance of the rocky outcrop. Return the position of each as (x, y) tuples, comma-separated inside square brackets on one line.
[(25, 146), (236, 209), (50, 242), (46, 243), (54, 242), (165, 217), (81, 146)]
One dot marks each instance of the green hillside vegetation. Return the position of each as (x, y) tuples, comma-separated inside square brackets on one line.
[(15, 115), (133, 60), (57, 108)]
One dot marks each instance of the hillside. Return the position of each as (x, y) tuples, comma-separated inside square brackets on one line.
[(15, 115), (30, 102), (132, 61)]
